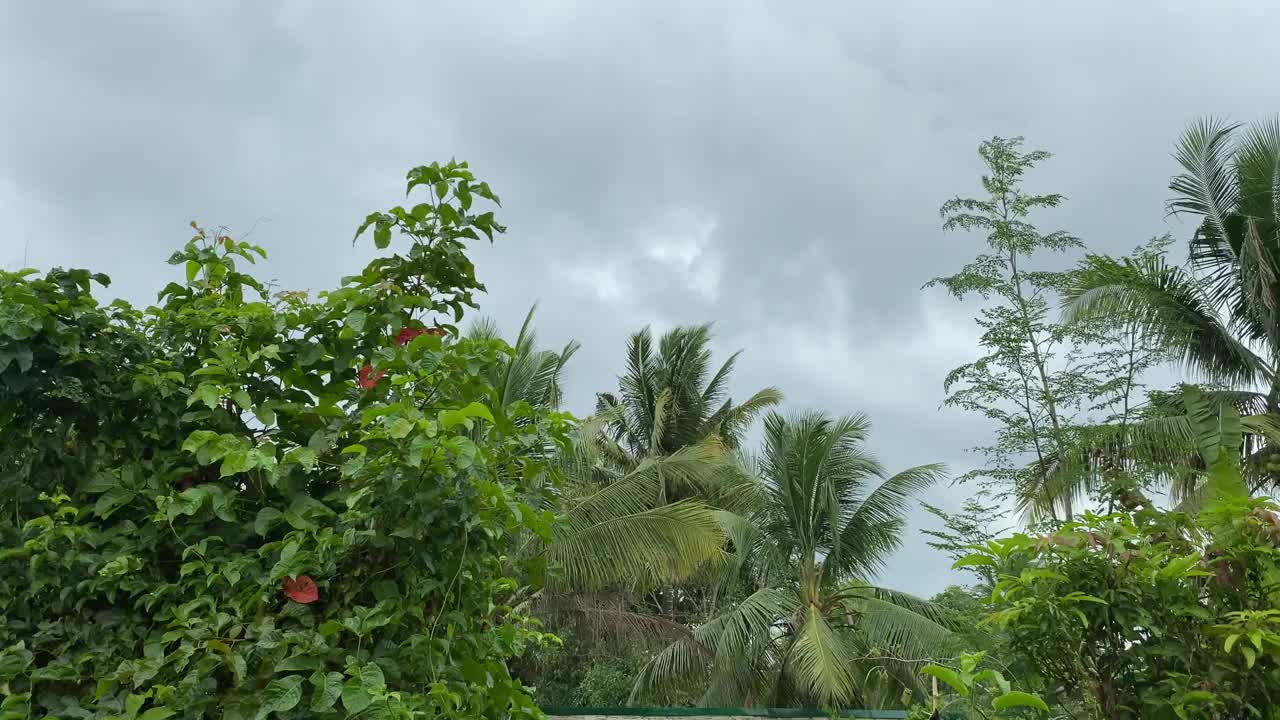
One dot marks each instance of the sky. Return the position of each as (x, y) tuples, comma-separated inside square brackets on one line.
[(775, 168)]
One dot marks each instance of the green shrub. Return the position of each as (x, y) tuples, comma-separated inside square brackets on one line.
[(238, 503)]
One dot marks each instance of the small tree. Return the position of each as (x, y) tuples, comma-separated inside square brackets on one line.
[(1015, 383), (1062, 395), (236, 505)]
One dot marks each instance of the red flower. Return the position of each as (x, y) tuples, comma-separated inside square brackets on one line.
[(302, 590), (408, 334), (369, 378)]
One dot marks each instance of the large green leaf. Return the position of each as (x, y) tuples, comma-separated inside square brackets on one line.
[(280, 695), (1016, 699), (948, 676)]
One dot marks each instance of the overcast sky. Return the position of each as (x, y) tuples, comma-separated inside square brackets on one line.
[(773, 167)]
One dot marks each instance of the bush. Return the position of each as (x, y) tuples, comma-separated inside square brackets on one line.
[(1153, 613), (235, 504)]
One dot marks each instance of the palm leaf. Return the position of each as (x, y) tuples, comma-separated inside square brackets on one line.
[(637, 549), (1169, 307), (819, 662), (873, 530), (720, 643), (1207, 186)]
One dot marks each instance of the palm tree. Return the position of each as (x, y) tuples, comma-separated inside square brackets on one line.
[(1220, 315), (814, 629), (529, 374), (671, 399), (614, 537)]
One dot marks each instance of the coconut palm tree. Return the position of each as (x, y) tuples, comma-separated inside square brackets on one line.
[(814, 629), (614, 536), (670, 399), (1220, 315), (529, 374)]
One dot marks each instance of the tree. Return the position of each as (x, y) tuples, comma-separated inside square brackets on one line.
[(1016, 383), (614, 539), (1219, 316), (673, 431), (814, 628), (1061, 394), (239, 505), (670, 399)]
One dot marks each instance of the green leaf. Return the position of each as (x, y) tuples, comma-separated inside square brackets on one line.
[(1082, 597), (400, 428), (236, 461), (477, 410), (304, 456), (280, 695), (133, 704), (265, 415), (993, 676), (1230, 642), (328, 687), (197, 440), (1017, 699), (100, 482), (974, 560), (1042, 574), (948, 676), (354, 697), (296, 663), (193, 269), (267, 517), (111, 500), (206, 393), (158, 713), (371, 677), (1250, 656), (23, 358)]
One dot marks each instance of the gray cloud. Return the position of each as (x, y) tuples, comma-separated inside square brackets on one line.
[(775, 168)]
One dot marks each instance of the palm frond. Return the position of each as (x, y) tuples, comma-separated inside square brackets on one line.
[(715, 389), (1207, 186), (638, 549), (731, 421), (873, 529), (607, 617), (1169, 307), (720, 642), (819, 662), (900, 625), (484, 328)]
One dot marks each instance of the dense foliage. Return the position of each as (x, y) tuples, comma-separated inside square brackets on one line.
[(1152, 613), (235, 504), (240, 502)]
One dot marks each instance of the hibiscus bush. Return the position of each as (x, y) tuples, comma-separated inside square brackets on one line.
[(240, 503)]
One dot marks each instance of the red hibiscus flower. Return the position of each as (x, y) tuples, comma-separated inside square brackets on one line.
[(302, 590), (369, 378), (408, 334)]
